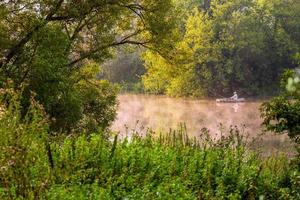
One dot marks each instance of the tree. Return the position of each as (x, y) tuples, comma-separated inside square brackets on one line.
[(125, 67), (231, 45), (44, 44)]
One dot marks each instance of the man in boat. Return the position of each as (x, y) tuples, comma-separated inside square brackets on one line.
[(235, 96)]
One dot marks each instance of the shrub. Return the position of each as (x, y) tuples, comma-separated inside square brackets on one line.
[(24, 169), (171, 166)]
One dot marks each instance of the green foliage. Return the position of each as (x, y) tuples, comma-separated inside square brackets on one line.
[(231, 45), (282, 114), (158, 74), (24, 169), (97, 99), (49, 58), (165, 166), (126, 69), (135, 88), (46, 46)]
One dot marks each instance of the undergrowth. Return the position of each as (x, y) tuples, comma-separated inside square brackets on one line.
[(35, 164)]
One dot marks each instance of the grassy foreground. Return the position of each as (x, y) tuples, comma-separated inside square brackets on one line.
[(170, 166)]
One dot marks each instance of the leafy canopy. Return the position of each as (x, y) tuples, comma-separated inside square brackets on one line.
[(225, 46), (47, 47)]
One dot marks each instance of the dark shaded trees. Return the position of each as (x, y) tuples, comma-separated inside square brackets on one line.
[(125, 67), (45, 44)]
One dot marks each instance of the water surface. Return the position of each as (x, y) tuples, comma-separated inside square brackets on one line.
[(160, 113)]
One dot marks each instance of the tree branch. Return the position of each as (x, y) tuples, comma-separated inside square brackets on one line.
[(92, 52), (19, 46)]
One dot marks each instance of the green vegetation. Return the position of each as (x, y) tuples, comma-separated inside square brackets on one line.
[(55, 113), (125, 69), (53, 48), (165, 166), (224, 46), (282, 113)]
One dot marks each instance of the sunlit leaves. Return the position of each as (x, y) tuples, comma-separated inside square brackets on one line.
[(233, 45)]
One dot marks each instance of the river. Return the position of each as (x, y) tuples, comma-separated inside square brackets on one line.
[(160, 113)]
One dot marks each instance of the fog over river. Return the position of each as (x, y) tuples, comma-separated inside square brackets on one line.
[(161, 113)]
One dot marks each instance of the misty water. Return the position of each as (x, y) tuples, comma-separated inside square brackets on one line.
[(160, 113)]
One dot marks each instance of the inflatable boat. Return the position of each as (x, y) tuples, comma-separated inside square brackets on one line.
[(229, 100)]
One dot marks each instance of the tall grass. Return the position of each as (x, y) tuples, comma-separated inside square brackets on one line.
[(152, 166)]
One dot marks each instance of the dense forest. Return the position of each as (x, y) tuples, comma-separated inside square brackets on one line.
[(223, 46), (62, 63), (226, 46)]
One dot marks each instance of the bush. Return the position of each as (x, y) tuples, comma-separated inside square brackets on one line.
[(282, 113), (24, 168), (169, 167)]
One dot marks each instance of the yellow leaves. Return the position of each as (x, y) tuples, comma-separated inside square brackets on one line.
[(90, 70), (199, 31), (159, 72)]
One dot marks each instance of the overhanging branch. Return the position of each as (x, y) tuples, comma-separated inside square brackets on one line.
[(19, 45)]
